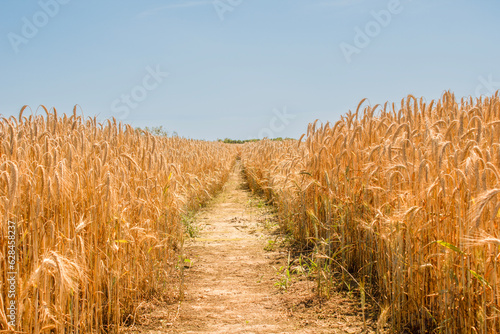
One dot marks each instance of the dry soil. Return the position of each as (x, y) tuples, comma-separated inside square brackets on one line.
[(230, 279)]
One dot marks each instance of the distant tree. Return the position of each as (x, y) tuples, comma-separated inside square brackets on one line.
[(157, 131), (239, 141)]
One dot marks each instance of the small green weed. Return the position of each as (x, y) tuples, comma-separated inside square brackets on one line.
[(284, 278), (270, 245), (190, 226)]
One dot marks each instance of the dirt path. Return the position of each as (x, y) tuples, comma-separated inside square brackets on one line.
[(230, 282), (230, 286)]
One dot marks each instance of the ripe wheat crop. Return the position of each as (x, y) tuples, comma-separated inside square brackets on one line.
[(97, 209), (405, 198)]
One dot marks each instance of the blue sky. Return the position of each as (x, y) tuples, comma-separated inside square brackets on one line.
[(241, 68)]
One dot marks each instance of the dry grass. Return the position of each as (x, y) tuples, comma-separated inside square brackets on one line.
[(406, 199), (98, 214)]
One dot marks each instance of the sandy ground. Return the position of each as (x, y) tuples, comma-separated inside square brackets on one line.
[(230, 279)]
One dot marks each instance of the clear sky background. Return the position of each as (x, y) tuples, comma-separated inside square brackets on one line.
[(241, 68)]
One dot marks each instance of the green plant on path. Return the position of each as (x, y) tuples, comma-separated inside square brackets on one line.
[(284, 278), (190, 226)]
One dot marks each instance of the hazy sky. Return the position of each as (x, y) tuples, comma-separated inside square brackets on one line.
[(241, 68)]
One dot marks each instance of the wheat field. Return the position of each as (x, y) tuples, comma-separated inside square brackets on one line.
[(98, 211), (400, 199), (403, 197)]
